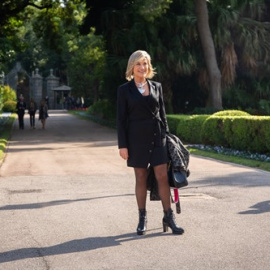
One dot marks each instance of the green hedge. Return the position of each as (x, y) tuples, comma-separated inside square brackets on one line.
[(190, 130), (9, 106), (230, 113), (249, 133), (103, 109), (173, 121)]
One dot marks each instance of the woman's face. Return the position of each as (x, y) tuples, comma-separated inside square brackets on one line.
[(140, 69)]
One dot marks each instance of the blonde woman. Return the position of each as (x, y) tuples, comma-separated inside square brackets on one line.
[(142, 127)]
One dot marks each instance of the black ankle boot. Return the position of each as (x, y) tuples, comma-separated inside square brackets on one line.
[(141, 229), (169, 221)]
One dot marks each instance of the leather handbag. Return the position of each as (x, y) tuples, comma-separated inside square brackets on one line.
[(177, 179)]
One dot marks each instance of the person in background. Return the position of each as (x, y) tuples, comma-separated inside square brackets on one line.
[(43, 112), (32, 112), (141, 128), (21, 107)]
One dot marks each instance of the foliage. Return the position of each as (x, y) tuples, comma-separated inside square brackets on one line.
[(190, 129), (5, 132), (205, 110), (245, 132), (238, 132), (173, 121), (86, 66), (9, 106), (6, 94), (103, 109), (212, 131), (46, 35), (264, 105), (231, 113)]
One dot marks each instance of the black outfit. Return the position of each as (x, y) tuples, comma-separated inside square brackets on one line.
[(21, 107), (43, 112), (142, 124), (32, 112)]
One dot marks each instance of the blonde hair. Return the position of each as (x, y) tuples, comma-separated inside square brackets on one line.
[(133, 59)]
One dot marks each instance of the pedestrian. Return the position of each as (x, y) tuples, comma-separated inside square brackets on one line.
[(32, 112), (141, 128), (43, 112), (21, 107)]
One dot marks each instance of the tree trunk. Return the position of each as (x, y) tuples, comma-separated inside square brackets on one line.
[(214, 74)]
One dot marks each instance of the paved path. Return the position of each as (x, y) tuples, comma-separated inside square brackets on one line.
[(67, 202)]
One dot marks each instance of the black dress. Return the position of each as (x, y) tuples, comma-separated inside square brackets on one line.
[(142, 124)]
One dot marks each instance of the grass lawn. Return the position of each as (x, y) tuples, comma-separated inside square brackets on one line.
[(237, 160)]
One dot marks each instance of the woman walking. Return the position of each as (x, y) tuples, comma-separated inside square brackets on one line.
[(32, 112), (43, 112)]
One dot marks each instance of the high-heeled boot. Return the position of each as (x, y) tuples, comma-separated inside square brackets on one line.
[(141, 229), (169, 221)]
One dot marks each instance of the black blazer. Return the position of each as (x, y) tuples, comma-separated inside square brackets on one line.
[(141, 121)]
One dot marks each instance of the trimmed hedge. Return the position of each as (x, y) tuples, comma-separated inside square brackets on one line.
[(190, 130), (249, 133), (173, 121), (230, 113)]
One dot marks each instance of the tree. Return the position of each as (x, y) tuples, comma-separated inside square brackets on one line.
[(85, 67), (11, 10), (215, 97)]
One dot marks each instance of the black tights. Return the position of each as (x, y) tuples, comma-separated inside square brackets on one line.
[(163, 186)]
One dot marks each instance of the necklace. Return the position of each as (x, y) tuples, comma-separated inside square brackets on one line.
[(140, 87)]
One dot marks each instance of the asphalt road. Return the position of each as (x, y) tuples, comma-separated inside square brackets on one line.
[(67, 202)]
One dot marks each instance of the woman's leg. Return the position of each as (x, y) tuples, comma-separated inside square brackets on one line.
[(31, 120), (163, 185), (141, 194), (141, 187), (34, 124), (164, 193)]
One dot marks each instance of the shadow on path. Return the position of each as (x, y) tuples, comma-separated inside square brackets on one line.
[(78, 245), (54, 203), (258, 208)]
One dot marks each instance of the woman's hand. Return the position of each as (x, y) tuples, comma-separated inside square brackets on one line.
[(123, 153)]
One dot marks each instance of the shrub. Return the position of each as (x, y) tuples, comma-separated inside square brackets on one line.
[(266, 133), (212, 131), (7, 93), (9, 106), (173, 121), (231, 113), (190, 129), (103, 109)]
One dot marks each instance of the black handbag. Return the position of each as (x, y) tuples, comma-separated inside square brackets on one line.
[(177, 179)]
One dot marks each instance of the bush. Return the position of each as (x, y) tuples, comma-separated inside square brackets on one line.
[(190, 129), (173, 121), (212, 131), (249, 133), (244, 132), (231, 113), (103, 109), (9, 106)]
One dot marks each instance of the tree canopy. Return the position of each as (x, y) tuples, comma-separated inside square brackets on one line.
[(88, 42)]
